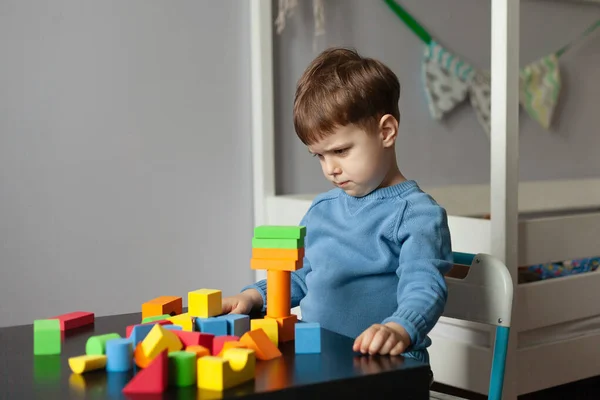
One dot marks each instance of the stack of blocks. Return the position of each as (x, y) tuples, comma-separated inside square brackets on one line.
[(202, 346)]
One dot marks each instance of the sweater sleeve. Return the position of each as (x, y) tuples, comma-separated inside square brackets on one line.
[(298, 279), (425, 256)]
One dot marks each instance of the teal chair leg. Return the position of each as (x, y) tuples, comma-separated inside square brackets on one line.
[(498, 363)]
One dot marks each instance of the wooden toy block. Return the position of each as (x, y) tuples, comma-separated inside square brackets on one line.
[(287, 327), (129, 328), (279, 232), (173, 328), (215, 325), (155, 318), (152, 379), (191, 338), (237, 324), (277, 243), (170, 305), (96, 345), (199, 351), (86, 363), (308, 338), (231, 345), (279, 254), (75, 320), (279, 288), (182, 368), (220, 341), (184, 320), (46, 337), (205, 303), (237, 366), (258, 341), (276, 264), (158, 340), (119, 355), (269, 326)]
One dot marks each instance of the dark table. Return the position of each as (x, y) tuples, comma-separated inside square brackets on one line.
[(336, 371)]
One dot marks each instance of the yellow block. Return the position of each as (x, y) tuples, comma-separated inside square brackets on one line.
[(205, 303), (81, 364), (159, 339), (184, 320), (235, 367), (269, 325)]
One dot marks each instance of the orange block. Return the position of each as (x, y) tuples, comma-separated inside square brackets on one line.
[(278, 254), (258, 341), (279, 286), (232, 345), (287, 327), (141, 360), (275, 264), (200, 351), (162, 305)]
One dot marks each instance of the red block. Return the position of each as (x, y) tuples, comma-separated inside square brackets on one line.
[(152, 379), (74, 320), (219, 341), (188, 338), (161, 322)]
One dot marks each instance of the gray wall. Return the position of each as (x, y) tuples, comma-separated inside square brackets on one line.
[(125, 163), (456, 151)]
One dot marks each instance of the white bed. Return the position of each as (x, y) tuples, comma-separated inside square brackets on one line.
[(555, 321)]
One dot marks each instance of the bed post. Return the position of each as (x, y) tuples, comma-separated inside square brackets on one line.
[(504, 151), (263, 157)]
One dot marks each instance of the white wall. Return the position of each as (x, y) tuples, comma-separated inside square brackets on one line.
[(125, 162)]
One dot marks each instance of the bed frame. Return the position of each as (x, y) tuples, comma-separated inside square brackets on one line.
[(507, 235)]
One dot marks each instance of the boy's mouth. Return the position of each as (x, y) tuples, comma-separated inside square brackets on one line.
[(341, 184)]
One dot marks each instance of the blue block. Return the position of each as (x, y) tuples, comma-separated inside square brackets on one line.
[(139, 332), (173, 327), (237, 324), (308, 338), (119, 355), (215, 325)]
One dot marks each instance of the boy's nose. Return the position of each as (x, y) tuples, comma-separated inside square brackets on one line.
[(332, 169)]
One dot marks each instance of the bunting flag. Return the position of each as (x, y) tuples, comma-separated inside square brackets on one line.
[(449, 80)]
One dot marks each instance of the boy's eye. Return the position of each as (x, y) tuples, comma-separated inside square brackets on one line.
[(340, 151)]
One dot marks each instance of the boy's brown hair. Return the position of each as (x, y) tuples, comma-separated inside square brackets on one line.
[(341, 87)]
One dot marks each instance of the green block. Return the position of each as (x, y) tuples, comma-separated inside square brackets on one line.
[(155, 318), (96, 345), (279, 232), (182, 368), (277, 243), (46, 337)]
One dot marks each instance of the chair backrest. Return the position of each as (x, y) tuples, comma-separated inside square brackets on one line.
[(484, 295)]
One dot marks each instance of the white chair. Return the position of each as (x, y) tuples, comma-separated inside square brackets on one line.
[(484, 295)]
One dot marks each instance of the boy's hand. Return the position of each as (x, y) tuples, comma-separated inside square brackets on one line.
[(390, 338), (242, 303)]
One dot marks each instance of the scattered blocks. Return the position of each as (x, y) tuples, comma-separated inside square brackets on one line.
[(215, 326), (231, 345), (219, 341), (199, 351), (170, 305), (173, 327), (258, 341), (193, 338), (205, 303), (139, 333), (75, 320), (96, 345), (287, 327), (237, 324), (153, 379), (269, 326), (119, 355), (129, 328), (308, 338), (86, 363), (220, 373), (155, 318), (182, 368), (46, 337), (184, 320)]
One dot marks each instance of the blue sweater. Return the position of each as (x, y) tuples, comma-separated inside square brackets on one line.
[(373, 259)]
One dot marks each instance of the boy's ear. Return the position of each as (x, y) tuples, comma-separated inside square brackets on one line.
[(388, 129)]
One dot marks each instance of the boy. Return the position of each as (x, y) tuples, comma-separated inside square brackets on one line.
[(376, 246)]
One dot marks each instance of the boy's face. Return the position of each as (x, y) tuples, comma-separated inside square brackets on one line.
[(353, 160)]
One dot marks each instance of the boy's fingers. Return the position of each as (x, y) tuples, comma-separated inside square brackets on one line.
[(366, 342), (357, 342), (398, 349), (388, 345), (378, 341)]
